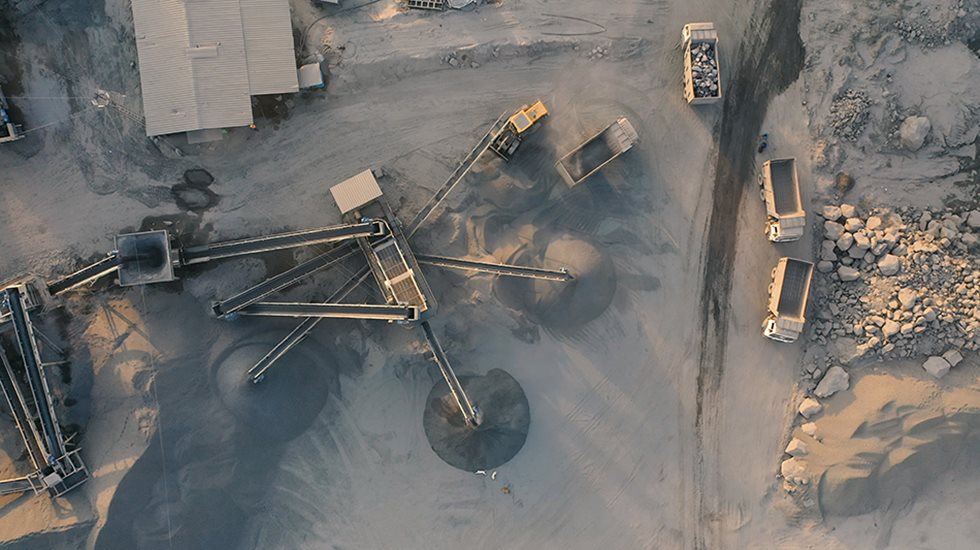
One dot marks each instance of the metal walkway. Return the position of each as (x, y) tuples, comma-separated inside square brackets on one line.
[(227, 249), (506, 270), (21, 411), (471, 414), (457, 176), (86, 274), (336, 311), (252, 295), (298, 334)]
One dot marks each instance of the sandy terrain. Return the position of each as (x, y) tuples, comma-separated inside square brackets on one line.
[(659, 414)]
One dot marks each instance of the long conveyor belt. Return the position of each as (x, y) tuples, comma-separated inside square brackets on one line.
[(55, 447), (506, 270), (23, 417), (280, 241), (280, 281), (86, 274), (457, 176), (377, 312), (298, 334), (470, 413)]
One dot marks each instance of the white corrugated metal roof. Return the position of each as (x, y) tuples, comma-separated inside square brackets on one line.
[(201, 60), (355, 192), (269, 46)]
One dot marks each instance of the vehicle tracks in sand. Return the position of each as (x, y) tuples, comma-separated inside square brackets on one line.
[(769, 59)]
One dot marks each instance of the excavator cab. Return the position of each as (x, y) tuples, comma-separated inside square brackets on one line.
[(527, 116), (506, 142)]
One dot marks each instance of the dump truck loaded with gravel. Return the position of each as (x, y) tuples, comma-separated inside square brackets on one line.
[(702, 70)]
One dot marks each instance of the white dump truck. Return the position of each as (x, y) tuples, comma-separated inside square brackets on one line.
[(785, 217), (702, 68), (788, 295), (597, 151)]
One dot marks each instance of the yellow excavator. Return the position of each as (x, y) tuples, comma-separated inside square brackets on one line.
[(506, 142)]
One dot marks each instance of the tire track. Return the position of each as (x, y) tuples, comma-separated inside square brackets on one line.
[(769, 59)]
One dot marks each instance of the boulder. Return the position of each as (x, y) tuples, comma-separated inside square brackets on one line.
[(810, 407), (853, 224), (793, 470), (936, 366), (861, 242), (796, 447), (834, 381), (833, 230), (824, 266), (907, 297), (810, 429), (973, 219), (831, 213), (891, 328), (953, 357), (889, 265), (913, 132), (874, 222), (845, 241), (848, 274), (848, 211), (827, 251)]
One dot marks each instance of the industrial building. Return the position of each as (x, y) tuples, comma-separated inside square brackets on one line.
[(201, 62)]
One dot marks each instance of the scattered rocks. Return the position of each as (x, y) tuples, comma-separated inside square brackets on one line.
[(913, 132), (704, 70), (834, 381), (810, 407), (849, 114), (936, 366)]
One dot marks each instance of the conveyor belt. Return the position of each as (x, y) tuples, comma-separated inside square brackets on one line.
[(470, 413), (338, 311), (240, 247), (32, 365), (23, 417), (298, 334), (17, 485), (506, 270), (457, 176), (86, 274), (280, 281)]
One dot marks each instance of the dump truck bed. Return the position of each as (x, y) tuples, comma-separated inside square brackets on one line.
[(597, 151), (785, 187), (702, 68), (794, 290)]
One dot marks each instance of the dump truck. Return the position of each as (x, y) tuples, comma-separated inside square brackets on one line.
[(789, 291), (702, 68), (506, 142), (780, 189), (597, 151)]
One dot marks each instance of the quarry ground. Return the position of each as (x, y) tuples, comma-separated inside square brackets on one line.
[(659, 414)]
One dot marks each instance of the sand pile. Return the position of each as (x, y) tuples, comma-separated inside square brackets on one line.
[(884, 445), (500, 436), (569, 304), (285, 403)]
